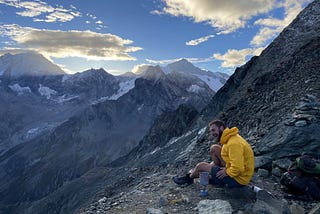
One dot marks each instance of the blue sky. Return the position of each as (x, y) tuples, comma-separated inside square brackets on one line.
[(121, 35)]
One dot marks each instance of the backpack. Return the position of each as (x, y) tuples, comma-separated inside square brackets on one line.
[(309, 163), (303, 177)]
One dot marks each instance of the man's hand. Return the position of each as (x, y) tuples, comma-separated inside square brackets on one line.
[(222, 173)]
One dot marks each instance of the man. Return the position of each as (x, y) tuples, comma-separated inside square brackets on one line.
[(232, 163)]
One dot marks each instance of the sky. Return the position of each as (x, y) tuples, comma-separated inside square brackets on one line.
[(122, 35)]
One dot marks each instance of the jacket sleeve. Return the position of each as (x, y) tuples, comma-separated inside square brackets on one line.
[(236, 159)]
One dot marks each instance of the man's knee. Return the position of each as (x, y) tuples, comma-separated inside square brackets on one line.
[(215, 149), (201, 165)]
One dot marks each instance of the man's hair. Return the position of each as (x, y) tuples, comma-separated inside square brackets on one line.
[(218, 123)]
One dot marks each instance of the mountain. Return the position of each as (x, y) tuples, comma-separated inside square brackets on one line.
[(76, 166), (215, 80), (57, 128), (273, 99), (27, 64)]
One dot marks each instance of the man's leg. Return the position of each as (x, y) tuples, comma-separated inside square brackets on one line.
[(224, 182), (194, 173), (215, 153), (201, 167)]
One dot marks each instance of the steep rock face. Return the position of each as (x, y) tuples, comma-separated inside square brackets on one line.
[(92, 84), (167, 126), (32, 105), (261, 93)]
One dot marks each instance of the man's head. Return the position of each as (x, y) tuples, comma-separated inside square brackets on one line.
[(216, 128)]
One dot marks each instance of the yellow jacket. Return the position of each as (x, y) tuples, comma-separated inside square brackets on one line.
[(238, 156)]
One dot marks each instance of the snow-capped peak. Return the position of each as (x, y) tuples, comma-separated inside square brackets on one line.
[(27, 64), (214, 80)]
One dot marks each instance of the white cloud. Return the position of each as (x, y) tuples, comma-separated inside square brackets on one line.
[(57, 16), (140, 68), (56, 43), (33, 9), (195, 42), (167, 61), (227, 15), (233, 58), (264, 35), (36, 8), (271, 27)]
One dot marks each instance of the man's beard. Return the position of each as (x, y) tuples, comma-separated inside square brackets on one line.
[(219, 136)]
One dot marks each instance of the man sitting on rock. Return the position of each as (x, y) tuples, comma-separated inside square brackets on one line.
[(232, 163)]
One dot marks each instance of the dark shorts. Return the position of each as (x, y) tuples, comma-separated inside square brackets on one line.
[(224, 182)]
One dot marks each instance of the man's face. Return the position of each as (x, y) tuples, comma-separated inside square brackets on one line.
[(216, 132)]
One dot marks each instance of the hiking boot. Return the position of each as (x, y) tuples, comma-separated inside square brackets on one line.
[(183, 180)]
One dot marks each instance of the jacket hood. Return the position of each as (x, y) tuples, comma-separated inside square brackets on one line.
[(227, 133)]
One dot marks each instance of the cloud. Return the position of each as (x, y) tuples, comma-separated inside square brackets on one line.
[(60, 44), (12, 51), (227, 15), (55, 17), (167, 61), (36, 8), (33, 9), (233, 58), (199, 40), (270, 27), (140, 68)]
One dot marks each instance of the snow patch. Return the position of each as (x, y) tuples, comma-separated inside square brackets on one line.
[(186, 152), (213, 83), (140, 107), (195, 89), (202, 131), (19, 90), (63, 98), (175, 139), (65, 77), (46, 91), (124, 88)]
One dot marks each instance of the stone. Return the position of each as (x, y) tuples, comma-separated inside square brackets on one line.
[(315, 209), (263, 173), (300, 123), (276, 172), (260, 161), (296, 209), (153, 211), (217, 206), (283, 163)]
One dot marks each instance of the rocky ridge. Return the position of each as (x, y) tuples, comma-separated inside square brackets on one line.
[(47, 146), (273, 99)]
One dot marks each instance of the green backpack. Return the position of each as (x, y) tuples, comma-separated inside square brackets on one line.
[(309, 163)]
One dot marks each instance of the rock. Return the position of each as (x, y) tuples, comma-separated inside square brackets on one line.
[(217, 206), (285, 141), (153, 211), (300, 123), (261, 161), (296, 209), (282, 163), (315, 209), (263, 173), (276, 172), (267, 203)]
